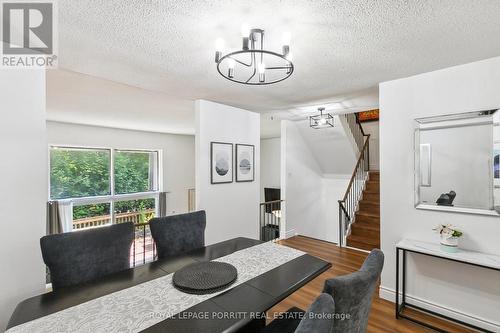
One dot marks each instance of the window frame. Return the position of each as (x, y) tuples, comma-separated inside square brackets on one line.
[(112, 198)]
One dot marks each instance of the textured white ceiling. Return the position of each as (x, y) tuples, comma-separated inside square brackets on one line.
[(339, 46), (83, 99)]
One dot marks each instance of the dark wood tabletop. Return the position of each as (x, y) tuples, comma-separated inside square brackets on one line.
[(247, 299)]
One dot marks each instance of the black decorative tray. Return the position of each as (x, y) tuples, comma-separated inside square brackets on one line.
[(205, 277)]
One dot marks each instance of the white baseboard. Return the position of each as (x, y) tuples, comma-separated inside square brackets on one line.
[(290, 233), (390, 294)]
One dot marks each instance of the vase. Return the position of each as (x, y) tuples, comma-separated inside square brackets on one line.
[(449, 244)]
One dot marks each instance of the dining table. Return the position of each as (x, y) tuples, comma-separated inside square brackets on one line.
[(143, 298)]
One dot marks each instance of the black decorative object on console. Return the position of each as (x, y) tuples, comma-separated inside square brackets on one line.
[(446, 199)]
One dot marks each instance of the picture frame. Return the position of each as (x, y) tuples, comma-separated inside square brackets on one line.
[(496, 164), (370, 115), (245, 163), (221, 162)]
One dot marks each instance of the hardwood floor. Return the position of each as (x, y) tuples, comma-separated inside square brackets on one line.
[(345, 261), (365, 231)]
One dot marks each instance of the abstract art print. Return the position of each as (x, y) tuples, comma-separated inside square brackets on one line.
[(221, 162), (371, 115), (496, 164), (245, 163)]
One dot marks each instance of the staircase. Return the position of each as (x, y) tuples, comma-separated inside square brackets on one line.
[(365, 231), (359, 209)]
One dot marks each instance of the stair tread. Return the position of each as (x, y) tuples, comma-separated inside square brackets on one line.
[(362, 246), (366, 226), (371, 202), (364, 239), (370, 214)]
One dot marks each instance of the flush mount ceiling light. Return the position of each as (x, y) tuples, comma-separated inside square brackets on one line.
[(322, 120), (253, 65)]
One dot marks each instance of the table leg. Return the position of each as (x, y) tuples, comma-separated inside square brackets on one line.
[(403, 295), (397, 283)]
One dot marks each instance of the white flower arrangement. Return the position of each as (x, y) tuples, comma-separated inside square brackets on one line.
[(448, 231)]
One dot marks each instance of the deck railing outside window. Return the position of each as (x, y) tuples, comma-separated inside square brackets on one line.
[(143, 248)]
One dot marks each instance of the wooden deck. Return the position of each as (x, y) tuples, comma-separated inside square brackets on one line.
[(345, 261)]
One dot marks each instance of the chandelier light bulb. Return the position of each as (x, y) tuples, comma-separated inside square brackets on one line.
[(245, 35), (286, 44), (262, 72), (219, 45), (245, 30), (322, 121), (262, 68), (289, 56), (287, 38), (231, 63)]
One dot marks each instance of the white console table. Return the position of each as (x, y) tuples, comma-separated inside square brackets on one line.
[(483, 260)]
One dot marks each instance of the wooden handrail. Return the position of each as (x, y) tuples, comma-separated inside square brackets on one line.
[(270, 202), (361, 155), (359, 124), (341, 204)]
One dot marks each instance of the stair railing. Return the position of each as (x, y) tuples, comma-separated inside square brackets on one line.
[(270, 220), (349, 203)]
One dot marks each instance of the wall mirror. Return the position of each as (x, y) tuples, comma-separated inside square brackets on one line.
[(457, 163)]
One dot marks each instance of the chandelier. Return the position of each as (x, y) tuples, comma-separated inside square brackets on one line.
[(322, 120), (253, 65)]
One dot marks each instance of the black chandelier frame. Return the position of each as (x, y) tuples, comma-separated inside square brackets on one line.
[(254, 52)]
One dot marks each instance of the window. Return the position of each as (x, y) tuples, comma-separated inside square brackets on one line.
[(76, 173), (105, 185), (135, 171)]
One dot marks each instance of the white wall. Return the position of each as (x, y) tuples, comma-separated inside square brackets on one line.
[(178, 153), (302, 186), (23, 189), (270, 164), (372, 128), (334, 188), (311, 196), (232, 209), (471, 293)]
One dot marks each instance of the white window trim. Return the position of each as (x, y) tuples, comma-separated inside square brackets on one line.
[(113, 197)]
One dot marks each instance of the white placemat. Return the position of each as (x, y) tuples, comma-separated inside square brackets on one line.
[(139, 307)]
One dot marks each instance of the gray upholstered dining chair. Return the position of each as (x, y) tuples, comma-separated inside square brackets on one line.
[(178, 234), (352, 296), (353, 293), (81, 256), (319, 318)]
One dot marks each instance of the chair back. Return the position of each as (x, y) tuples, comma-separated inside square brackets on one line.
[(81, 256), (178, 234), (353, 294), (319, 318)]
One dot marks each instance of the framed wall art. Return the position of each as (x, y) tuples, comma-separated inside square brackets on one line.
[(245, 163), (221, 162)]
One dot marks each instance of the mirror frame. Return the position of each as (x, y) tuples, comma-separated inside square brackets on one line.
[(480, 117)]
